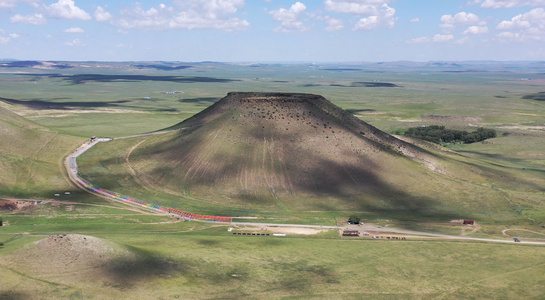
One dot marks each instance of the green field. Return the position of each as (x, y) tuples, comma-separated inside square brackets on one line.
[(47, 113)]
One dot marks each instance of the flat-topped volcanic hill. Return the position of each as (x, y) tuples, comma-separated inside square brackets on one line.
[(278, 148)]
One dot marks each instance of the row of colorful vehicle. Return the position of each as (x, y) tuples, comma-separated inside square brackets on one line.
[(179, 213)]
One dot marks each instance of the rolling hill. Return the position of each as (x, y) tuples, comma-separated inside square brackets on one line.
[(30, 156), (301, 152)]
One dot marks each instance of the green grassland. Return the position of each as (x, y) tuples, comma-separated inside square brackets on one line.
[(46, 114), (189, 260)]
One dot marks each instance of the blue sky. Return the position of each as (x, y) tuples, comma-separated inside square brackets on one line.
[(272, 30)]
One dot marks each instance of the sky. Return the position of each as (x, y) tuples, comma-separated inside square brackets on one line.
[(273, 30)]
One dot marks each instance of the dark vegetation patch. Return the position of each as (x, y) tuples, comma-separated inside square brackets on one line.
[(280, 81), (439, 134), (536, 96), (162, 67), (501, 97), (84, 78)]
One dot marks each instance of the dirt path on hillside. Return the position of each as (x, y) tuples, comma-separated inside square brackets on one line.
[(142, 180), (504, 232), (60, 202)]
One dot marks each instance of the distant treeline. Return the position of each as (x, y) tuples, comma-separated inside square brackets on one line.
[(439, 134)]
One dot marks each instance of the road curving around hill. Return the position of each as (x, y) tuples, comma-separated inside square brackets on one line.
[(71, 166)]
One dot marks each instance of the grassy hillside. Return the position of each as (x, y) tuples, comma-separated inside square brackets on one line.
[(31, 156)]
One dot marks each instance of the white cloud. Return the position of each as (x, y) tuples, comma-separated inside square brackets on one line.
[(75, 43), (334, 24), (414, 20), (463, 40), (476, 30), (290, 18), (419, 40), (510, 3), (508, 35), (102, 15), (529, 26), (187, 14), (379, 14), (442, 37), (63, 9), (385, 18), (6, 38), (74, 30), (34, 19), (357, 7), (13, 3), (66, 9), (461, 18), (438, 38)]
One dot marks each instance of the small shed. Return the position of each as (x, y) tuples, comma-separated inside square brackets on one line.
[(351, 233)]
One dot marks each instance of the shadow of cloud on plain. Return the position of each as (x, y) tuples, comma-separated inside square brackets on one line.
[(536, 96), (199, 100), (41, 104), (162, 67), (356, 84), (142, 265), (14, 295), (84, 78)]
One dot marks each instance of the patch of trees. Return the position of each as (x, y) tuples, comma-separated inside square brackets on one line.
[(439, 134), (354, 219)]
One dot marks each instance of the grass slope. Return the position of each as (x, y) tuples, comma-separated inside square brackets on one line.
[(30, 156)]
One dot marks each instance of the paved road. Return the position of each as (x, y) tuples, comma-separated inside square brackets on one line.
[(389, 230), (72, 169)]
